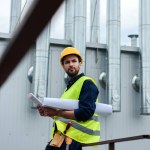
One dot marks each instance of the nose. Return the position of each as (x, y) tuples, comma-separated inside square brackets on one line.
[(71, 63)]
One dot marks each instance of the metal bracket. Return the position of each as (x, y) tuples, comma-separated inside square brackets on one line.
[(102, 79), (136, 83), (30, 74)]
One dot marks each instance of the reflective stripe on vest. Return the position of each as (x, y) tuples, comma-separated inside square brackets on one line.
[(83, 132), (79, 127)]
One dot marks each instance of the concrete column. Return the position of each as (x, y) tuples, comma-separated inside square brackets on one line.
[(144, 39), (95, 21), (79, 35), (14, 14), (113, 53)]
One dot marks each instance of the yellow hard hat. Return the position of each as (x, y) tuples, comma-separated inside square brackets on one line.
[(69, 51)]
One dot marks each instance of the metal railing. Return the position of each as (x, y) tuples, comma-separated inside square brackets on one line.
[(112, 142)]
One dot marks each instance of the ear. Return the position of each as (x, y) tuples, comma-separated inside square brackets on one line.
[(80, 63), (63, 66)]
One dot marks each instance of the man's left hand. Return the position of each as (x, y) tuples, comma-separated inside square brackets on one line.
[(46, 111)]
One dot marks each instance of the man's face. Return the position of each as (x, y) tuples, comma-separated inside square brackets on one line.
[(71, 65)]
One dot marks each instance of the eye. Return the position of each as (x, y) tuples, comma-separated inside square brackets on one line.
[(66, 62), (74, 60)]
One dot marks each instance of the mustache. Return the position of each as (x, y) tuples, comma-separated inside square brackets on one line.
[(71, 67)]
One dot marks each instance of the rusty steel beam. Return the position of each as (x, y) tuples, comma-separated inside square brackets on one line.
[(31, 26)]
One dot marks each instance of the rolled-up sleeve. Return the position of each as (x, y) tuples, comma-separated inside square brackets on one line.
[(87, 99)]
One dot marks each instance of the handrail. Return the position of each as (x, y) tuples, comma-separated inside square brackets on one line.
[(113, 141)]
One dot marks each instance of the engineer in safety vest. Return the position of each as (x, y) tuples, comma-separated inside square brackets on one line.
[(73, 127)]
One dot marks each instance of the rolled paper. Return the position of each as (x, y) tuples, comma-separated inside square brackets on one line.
[(68, 104)]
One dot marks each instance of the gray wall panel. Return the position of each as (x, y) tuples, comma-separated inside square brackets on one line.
[(128, 122), (21, 127), (95, 65), (56, 83)]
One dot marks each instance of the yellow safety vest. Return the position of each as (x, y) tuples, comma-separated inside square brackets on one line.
[(83, 131)]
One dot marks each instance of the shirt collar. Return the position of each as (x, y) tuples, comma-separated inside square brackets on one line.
[(71, 81)]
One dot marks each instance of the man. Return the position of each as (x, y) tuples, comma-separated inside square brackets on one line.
[(84, 125)]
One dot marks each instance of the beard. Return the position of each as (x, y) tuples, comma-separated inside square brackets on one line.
[(72, 72)]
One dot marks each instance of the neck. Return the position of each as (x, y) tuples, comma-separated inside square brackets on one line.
[(70, 77)]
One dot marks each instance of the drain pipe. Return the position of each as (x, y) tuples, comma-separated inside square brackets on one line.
[(145, 55), (69, 13), (15, 14), (95, 21), (40, 80), (113, 53), (79, 35)]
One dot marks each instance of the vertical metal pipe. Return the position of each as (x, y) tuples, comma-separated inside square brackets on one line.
[(26, 8), (95, 21), (113, 53), (133, 39), (145, 55), (79, 37), (41, 64), (69, 13), (69, 23), (15, 14)]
